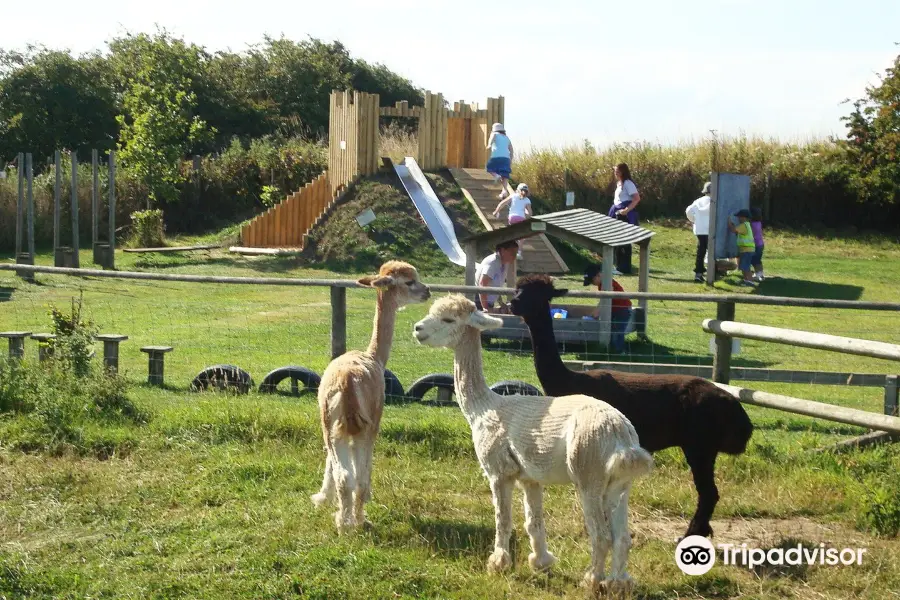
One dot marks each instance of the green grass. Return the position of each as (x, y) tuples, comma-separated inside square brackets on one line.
[(209, 496)]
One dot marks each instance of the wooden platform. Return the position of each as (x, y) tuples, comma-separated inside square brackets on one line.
[(538, 254)]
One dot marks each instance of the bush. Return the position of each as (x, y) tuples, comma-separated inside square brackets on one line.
[(73, 346), (147, 229), (881, 509)]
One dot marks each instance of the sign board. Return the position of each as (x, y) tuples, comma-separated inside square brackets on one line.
[(343, 145), (538, 226), (570, 198), (732, 193), (365, 217)]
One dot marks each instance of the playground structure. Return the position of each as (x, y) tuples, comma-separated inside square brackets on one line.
[(446, 138), (65, 256)]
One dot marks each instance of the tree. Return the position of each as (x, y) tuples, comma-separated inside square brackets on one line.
[(50, 100), (160, 125), (873, 140)]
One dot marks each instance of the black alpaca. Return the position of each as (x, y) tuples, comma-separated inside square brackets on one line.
[(666, 410)]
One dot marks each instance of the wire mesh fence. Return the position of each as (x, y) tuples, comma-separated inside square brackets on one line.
[(260, 328)]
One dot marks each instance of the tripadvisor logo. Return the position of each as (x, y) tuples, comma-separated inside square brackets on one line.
[(696, 555)]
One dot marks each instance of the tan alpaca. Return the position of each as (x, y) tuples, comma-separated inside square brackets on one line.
[(351, 398), (536, 441)]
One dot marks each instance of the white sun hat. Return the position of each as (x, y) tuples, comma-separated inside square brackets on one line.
[(497, 127)]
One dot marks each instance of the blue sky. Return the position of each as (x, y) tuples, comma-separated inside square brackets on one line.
[(653, 70)]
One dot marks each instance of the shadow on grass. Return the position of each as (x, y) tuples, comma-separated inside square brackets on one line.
[(454, 539), (802, 288)]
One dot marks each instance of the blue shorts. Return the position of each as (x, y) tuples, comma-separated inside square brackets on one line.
[(745, 259), (757, 256), (500, 165)]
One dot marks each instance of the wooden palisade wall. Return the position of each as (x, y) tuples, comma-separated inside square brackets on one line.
[(352, 137), (285, 224)]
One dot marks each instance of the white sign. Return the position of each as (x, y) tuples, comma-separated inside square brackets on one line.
[(570, 198), (343, 145), (365, 217), (538, 226)]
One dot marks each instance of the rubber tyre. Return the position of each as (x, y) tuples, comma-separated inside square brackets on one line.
[(422, 385), (309, 378), (393, 389), (513, 387), (233, 377)]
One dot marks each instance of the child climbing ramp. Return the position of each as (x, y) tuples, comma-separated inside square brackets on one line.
[(499, 164)]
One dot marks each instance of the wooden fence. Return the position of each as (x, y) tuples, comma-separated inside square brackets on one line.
[(286, 224), (352, 137)]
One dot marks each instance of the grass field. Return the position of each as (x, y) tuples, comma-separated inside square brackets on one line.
[(207, 496)]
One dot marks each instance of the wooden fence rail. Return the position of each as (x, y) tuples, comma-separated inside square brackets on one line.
[(803, 339)]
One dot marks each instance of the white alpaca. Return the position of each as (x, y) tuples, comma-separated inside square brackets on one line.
[(351, 398), (537, 441)]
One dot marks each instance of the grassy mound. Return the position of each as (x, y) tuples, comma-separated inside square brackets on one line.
[(397, 232)]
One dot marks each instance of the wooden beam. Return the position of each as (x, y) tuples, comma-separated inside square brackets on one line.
[(818, 410), (803, 339), (606, 303), (722, 357)]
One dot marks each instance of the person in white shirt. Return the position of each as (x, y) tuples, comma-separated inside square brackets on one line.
[(519, 205), (492, 273), (625, 201), (499, 163), (698, 214)]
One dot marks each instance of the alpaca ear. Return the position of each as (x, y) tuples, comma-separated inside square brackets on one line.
[(366, 281), (481, 321), (560, 292), (383, 282)]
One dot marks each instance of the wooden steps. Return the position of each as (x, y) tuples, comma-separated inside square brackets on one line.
[(538, 254)]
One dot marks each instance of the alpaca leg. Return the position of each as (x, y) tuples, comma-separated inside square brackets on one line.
[(362, 462), (345, 482), (326, 494), (703, 464), (616, 502), (539, 559), (598, 532), (500, 560)]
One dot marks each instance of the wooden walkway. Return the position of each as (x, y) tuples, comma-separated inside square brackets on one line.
[(538, 254)]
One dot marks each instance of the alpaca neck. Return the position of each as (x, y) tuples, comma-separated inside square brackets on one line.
[(383, 328), (547, 361), (472, 390)]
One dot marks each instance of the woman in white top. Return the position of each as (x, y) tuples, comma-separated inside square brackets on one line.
[(625, 201), (698, 214), (499, 163)]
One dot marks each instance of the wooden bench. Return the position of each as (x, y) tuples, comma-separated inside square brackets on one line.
[(45, 350), (16, 343), (156, 356), (111, 343)]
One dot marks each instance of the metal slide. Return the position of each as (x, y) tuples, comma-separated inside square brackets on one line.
[(431, 209)]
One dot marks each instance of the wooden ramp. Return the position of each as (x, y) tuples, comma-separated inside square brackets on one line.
[(538, 254)]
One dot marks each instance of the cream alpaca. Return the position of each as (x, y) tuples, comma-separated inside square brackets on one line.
[(537, 441), (351, 398)]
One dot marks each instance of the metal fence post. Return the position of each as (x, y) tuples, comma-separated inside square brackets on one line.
[(338, 321), (722, 358)]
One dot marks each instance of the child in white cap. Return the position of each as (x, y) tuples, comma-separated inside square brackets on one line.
[(499, 163), (519, 208)]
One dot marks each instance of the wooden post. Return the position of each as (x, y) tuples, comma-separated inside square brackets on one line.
[(891, 396), (722, 358), (111, 349), (57, 191), (111, 256), (20, 201), (29, 167), (643, 284), (711, 247), (606, 279), (75, 245), (471, 259), (95, 199), (338, 321), (767, 199), (16, 343)]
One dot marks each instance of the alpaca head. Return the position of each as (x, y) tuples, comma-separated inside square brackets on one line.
[(448, 319), (400, 280), (533, 296)]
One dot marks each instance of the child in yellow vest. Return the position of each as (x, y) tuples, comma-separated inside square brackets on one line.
[(745, 243)]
